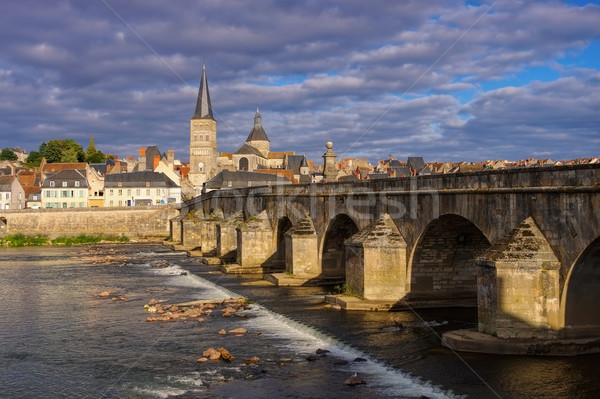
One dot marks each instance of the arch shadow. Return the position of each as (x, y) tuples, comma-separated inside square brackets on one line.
[(581, 296), (442, 268)]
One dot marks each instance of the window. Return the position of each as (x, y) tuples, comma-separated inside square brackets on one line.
[(147, 191), (120, 203), (120, 184), (64, 184), (77, 183), (158, 191), (137, 191), (7, 195), (120, 192), (128, 192), (64, 204), (147, 184), (72, 205), (51, 183), (81, 204), (111, 202), (111, 191)]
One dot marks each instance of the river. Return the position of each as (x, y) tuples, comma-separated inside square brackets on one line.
[(60, 338)]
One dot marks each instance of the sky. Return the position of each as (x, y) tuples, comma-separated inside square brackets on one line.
[(445, 80)]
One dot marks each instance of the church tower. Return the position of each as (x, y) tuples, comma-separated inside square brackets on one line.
[(203, 138), (258, 137)]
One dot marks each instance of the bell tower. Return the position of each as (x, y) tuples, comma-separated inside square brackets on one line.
[(203, 138)]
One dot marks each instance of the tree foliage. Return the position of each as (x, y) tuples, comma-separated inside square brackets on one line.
[(33, 159), (92, 155), (66, 150), (8, 155)]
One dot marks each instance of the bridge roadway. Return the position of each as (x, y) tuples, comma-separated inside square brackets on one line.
[(522, 244)]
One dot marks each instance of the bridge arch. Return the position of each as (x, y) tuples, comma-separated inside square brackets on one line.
[(581, 296), (284, 224), (333, 253), (442, 265)]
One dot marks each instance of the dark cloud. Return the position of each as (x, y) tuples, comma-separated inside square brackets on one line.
[(377, 78)]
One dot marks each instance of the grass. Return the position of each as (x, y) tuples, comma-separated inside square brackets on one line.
[(85, 239), (21, 240)]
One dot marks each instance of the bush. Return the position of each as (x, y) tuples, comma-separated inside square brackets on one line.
[(21, 240), (85, 239)]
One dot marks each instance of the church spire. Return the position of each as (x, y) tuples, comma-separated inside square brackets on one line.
[(203, 106), (258, 132)]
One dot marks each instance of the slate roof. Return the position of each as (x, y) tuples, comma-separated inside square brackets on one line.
[(138, 179), (247, 149), (6, 183), (257, 133), (151, 152), (99, 167), (203, 105), (294, 162), (38, 194), (416, 163), (401, 171), (68, 175)]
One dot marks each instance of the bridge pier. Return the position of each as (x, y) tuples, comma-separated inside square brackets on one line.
[(302, 250), (191, 230), (376, 262), (227, 238), (255, 249), (519, 286)]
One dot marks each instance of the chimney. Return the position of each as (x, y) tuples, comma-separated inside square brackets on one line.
[(142, 160), (171, 159), (156, 161)]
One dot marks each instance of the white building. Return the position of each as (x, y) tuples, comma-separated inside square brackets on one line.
[(140, 188), (12, 195), (65, 189)]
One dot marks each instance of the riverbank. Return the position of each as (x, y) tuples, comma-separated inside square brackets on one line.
[(22, 240)]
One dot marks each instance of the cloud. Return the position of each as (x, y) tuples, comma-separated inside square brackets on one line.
[(376, 78)]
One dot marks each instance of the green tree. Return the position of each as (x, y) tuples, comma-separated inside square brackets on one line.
[(66, 150), (33, 159), (73, 152), (97, 157), (92, 155), (53, 151), (91, 150), (8, 155)]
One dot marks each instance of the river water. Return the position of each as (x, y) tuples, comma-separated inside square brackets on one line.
[(60, 339)]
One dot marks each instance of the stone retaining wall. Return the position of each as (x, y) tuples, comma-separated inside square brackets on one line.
[(150, 222)]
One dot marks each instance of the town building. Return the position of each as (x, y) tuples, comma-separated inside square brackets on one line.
[(140, 188), (12, 195), (67, 188)]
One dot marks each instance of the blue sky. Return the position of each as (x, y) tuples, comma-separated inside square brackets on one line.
[(446, 80)]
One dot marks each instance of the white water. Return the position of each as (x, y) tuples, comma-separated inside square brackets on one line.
[(304, 340)]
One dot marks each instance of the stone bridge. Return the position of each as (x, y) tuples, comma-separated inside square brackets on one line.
[(522, 244)]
